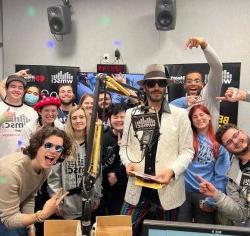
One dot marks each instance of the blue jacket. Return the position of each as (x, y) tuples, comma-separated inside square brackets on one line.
[(206, 166)]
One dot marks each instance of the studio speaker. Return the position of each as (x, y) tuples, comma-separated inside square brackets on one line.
[(165, 14), (59, 19)]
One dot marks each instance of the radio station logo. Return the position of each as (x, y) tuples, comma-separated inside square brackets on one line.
[(142, 122), (62, 78), (35, 78)]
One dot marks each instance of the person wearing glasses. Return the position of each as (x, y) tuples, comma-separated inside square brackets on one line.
[(69, 174), (22, 173), (236, 204), (166, 156), (194, 82), (47, 110)]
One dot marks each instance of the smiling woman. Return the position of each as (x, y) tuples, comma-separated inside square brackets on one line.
[(211, 161), (69, 174), (24, 174)]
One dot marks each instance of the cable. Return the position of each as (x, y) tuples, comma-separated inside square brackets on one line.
[(136, 136)]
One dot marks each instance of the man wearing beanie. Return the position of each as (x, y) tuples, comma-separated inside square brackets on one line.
[(166, 157)]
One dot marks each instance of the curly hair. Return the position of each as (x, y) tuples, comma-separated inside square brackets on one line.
[(38, 138), (222, 130)]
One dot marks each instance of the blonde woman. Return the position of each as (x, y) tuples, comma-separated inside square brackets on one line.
[(68, 175)]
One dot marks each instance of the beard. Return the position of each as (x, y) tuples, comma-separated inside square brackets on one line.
[(244, 150), (151, 96), (66, 103)]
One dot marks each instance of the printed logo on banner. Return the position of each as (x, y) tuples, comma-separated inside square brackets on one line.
[(35, 78), (62, 78), (226, 77)]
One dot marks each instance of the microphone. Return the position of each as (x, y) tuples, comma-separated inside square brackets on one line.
[(147, 123), (146, 139), (86, 217), (248, 196), (111, 83)]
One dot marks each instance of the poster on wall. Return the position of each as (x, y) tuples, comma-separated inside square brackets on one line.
[(230, 78), (48, 78)]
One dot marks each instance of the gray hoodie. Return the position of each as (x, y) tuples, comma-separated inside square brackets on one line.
[(234, 205), (68, 175)]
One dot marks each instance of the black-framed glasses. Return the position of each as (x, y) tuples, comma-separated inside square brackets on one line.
[(49, 146), (151, 83), (231, 140)]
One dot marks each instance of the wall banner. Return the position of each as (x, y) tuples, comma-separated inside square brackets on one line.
[(230, 78), (48, 78)]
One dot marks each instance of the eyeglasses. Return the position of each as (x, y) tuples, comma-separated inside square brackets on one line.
[(152, 83), (232, 139), (49, 146)]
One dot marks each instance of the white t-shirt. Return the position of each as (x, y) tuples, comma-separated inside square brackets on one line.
[(10, 131)]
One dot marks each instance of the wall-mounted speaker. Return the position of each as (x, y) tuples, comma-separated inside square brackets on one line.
[(165, 14), (59, 19)]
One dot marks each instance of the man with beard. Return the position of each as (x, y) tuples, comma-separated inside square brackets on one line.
[(67, 97), (166, 156), (104, 104), (236, 204), (194, 84)]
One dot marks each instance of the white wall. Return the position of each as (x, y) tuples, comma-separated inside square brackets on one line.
[(224, 23)]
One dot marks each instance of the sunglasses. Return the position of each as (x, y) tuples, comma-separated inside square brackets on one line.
[(49, 146), (152, 83)]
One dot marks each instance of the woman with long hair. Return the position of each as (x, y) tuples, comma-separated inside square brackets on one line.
[(87, 101), (211, 161), (68, 175)]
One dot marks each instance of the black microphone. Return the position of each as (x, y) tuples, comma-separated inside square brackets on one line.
[(86, 217), (248, 196), (148, 123), (146, 139)]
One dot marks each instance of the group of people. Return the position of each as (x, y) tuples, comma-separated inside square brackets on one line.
[(202, 171)]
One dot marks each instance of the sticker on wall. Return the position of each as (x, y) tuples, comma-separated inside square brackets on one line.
[(105, 20), (31, 10)]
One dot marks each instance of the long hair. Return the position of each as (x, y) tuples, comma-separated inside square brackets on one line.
[(210, 132), (70, 131), (86, 95)]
